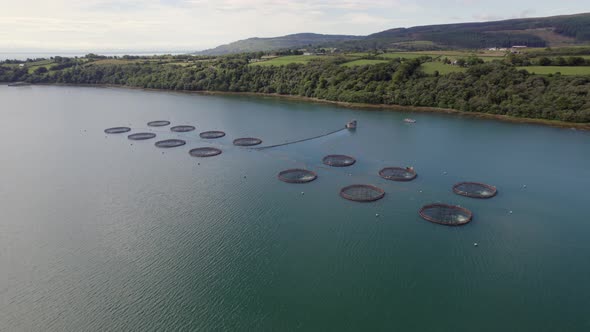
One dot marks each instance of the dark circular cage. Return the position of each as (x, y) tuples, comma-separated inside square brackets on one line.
[(141, 136), (170, 143), (182, 129), (247, 141), (398, 173), (338, 160), (204, 152), (117, 130), (362, 193), (158, 123), (212, 134), (475, 190), (444, 214), (297, 175)]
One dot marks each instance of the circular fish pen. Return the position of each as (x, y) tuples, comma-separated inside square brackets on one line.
[(475, 190), (297, 175), (444, 214), (212, 134), (247, 141), (362, 193), (398, 173), (182, 129), (204, 152), (338, 160), (117, 130), (170, 143), (158, 123), (141, 136)]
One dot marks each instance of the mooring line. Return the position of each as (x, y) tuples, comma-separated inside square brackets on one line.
[(299, 141)]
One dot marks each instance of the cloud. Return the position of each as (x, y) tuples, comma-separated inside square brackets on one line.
[(198, 24)]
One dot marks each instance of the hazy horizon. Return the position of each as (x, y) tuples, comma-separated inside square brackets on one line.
[(192, 25)]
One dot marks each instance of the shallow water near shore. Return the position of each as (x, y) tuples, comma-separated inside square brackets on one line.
[(102, 233)]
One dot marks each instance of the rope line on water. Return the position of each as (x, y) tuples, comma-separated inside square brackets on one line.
[(298, 141)]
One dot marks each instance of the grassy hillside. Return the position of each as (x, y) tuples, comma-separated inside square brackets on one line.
[(277, 43), (532, 32), (556, 31)]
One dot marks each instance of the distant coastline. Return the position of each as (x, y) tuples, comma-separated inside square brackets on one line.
[(35, 55), (384, 107)]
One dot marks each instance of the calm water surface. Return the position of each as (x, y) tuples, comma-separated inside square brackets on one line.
[(101, 233)]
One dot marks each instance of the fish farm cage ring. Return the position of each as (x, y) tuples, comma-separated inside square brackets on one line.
[(159, 123), (182, 129), (170, 143), (398, 173), (297, 175), (212, 134), (141, 136), (204, 152), (362, 193), (475, 190), (444, 214), (338, 160), (247, 141), (117, 130)]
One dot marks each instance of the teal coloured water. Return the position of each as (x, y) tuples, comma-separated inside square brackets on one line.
[(102, 233)]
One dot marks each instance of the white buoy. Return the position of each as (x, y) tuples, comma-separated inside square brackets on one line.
[(376, 214), (302, 193), (475, 244), (510, 211)]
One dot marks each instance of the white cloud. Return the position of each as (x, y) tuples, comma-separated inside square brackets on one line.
[(197, 24)]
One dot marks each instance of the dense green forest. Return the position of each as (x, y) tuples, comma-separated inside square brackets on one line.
[(494, 87)]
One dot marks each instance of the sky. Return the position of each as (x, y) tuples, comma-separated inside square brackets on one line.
[(169, 25)]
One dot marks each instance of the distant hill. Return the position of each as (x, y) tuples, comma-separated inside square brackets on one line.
[(565, 30), (532, 32), (276, 43)]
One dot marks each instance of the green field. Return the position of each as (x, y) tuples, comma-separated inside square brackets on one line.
[(285, 60), (402, 55), (564, 70), (431, 67), (363, 62)]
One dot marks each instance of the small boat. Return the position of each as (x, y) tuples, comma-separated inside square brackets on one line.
[(18, 84), (351, 125), (408, 120)]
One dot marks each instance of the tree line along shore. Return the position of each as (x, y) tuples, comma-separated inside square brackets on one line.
[(493, 86)]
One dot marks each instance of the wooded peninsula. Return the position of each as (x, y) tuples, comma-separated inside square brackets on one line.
[(498, 86)]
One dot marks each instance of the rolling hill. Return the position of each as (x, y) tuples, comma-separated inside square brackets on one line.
[(565, 30), (276, 43)]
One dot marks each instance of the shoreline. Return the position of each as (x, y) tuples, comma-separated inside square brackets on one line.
[(360, 106)]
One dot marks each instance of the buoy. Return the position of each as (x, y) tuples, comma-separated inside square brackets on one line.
[(420, 190), (475, 244), (445, 173), (510, 212), (376, 214), (302, 193), (524, 185)]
